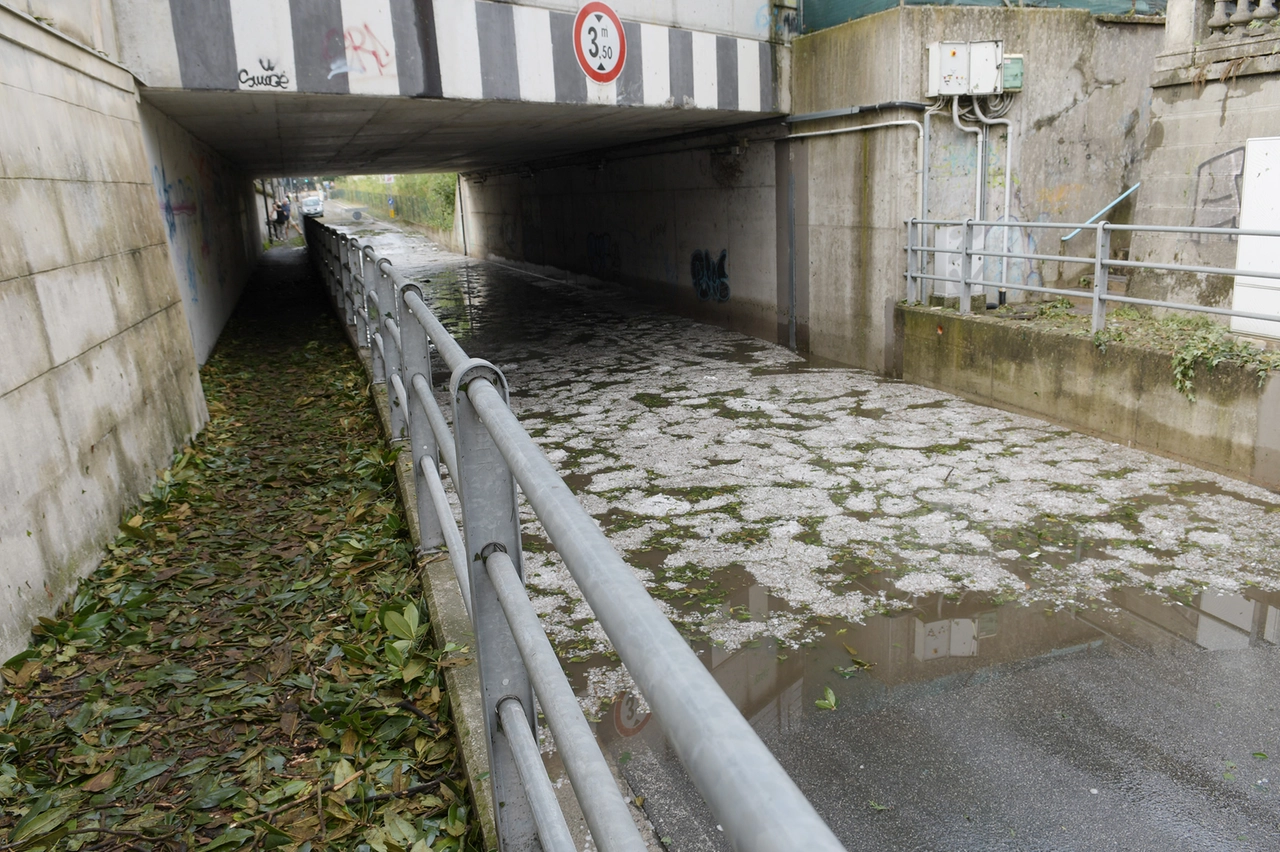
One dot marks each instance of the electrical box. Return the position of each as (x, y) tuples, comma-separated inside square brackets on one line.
[(985, 61), (965, 68), (1012, 72), (948, 68)]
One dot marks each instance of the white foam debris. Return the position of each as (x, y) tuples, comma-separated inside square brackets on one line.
[(719, 464)]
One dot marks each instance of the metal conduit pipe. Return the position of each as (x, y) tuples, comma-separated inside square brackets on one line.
[(748, 791), (977, 196), (607, 814), (439, 427), (452, 538), (906, 122), (1008, 181), (553, 832)]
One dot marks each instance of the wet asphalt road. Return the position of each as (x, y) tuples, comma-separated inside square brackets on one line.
[(1070, 646)]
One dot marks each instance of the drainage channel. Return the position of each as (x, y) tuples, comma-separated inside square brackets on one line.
[(956, 627)]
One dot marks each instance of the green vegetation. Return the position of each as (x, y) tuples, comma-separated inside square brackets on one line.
[(1193, 342), (422, 199)]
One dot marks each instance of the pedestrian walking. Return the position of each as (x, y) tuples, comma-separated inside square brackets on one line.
[(288, 219), (278, 218)]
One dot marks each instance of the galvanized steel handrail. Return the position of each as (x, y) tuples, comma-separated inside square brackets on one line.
[(918, 254), (487, 453), (1104, 211)]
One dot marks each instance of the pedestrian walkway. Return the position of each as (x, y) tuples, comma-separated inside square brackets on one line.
[(249, 667)]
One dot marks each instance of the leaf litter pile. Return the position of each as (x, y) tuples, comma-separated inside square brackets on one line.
[(249, 667)]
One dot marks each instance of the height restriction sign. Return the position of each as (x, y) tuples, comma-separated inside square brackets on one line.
[(601, 44)]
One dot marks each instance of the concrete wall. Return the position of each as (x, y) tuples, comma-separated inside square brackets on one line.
[(90, 22), (1210, 95), (213, 223), (98, 380), (1079, 129), (1124, 393), (650, 222)]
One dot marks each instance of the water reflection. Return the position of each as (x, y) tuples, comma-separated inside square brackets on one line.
[(944, 644)]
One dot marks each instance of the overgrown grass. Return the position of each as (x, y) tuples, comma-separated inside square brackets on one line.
[(1194, 343)]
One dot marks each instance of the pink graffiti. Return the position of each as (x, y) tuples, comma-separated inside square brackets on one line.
[(361, 47)]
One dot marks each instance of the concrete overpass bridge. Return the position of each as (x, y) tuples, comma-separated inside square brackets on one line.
[(133, 131), (331, 87)]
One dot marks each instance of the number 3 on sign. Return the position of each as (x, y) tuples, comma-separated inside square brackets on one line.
[(600, 42)]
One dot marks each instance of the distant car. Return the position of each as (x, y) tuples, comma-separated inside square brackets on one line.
[(312, 205)]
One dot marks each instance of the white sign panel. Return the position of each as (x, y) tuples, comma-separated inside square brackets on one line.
[(1259, 209)]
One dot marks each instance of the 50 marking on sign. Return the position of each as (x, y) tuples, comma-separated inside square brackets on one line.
[(600, 42)]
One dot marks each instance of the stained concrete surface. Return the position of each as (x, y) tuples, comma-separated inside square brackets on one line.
[(1009, 616)]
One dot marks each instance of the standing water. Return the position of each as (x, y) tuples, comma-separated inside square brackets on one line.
[(957, 628)]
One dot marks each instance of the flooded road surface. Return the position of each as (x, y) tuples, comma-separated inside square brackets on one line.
[(957, 628)]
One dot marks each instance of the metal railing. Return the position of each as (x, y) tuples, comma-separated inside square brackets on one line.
[(487, 455), (919, 254)]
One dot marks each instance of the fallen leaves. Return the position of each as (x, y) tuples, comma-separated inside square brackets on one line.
[(250, 665)]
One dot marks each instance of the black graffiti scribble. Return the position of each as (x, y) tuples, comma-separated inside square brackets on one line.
[(710, 278), (264, 81)]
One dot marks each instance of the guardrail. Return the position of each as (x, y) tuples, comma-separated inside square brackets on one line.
[(487, 455), (918, 254)]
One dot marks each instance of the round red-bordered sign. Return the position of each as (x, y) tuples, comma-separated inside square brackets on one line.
[(628, 720), (600, 42)]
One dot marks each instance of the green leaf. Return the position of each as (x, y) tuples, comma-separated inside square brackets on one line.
[(397, 625), (827, 701), (1260, 755), (215, 797), (38, 822), (232, 838)]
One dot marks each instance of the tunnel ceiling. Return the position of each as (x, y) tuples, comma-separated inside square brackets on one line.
[(293, 134)]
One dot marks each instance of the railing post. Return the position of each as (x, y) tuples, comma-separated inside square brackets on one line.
[(913, 262), (1100, 272), (966, 290), (415, 360), (344, 280), (491, 521)]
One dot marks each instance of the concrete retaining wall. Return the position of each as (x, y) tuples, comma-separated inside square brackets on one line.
[(651, 222), (98, 380), (1079, 127), (1124, 394)]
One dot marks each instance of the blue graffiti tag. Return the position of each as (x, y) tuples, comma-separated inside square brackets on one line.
[(710, 279)]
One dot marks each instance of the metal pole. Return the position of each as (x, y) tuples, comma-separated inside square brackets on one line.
[(1102, 254), (966, 292), (607, 815), (553, 831), (491, 521), (913, 259), (415, 362), (397, 401)]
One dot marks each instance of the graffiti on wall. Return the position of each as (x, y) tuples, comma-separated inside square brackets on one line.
[(710, 277), (362, 52), (269, 78), (1217, 196), (604, 258)]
